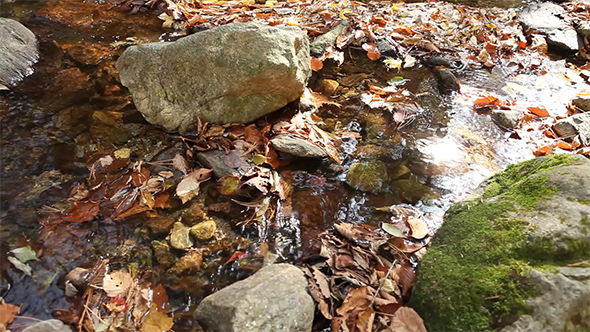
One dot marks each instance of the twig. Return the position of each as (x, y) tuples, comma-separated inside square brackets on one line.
[(382, 282)]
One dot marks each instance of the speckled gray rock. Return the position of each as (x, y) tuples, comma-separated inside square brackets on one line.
[(275, 299), (18, 51), (564, 303), (51, 325), (179, 236), (214, 159), (546, 18), (575, 125), (233, 73), (506, 118), (319, 45), (297, 147)]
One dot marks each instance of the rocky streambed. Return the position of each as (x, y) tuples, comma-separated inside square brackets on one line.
[(349, 179)]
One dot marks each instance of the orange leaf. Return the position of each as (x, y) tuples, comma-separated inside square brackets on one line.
[(372, 51), (272, 158), (8, 313), (544, 151), (83, 211), (538, 111), (564, 145), (160, 298), (316, 64), (486, 101)]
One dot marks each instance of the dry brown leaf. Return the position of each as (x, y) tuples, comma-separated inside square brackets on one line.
[(83, 211), (406, 319), (117, 283), (189, 186), (157, 322), (8, 312), (418, 227), (180, 163)]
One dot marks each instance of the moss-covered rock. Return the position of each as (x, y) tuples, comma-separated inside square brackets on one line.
[(476, 275), (368, 175)]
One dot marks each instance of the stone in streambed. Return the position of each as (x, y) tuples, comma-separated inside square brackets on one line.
[(506, 118), (233, 73), (297, 147), (204, 230), (163, 254), (546, 18), (18, 51), (193, 215), (274, 299), (575, 125), (190, 262), (368, 175), (214, 159), (179, 236)]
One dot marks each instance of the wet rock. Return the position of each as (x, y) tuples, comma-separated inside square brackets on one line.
[(70, 86), (328, 87), (386, 48), (368, 175), (214, 159), (233, 73), (273, 299), (205, 230), (546, 18), (400, 171), (372, 151), (163, 254), (583, 29), (375, 125), (18, 51), (193, 215), (51, 325), (563, 304), (410, 191), (190, 262), (446, 80), (532, 215), (506, 118), (73, 120), (179, 236), (160, 225), (437, 61), (319, 45), (575, 125), (583, 104), (87, 53), (297, 147)]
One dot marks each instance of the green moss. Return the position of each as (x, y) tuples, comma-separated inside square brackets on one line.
[(584, 201), (473, 276), (504, 180), (368, 175), (585, 221)]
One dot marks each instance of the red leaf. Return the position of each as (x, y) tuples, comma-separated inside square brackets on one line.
[(316, 64), (83, 211), (236, 255), (538, 111), (486, 102), (546, 150), (272, 158), (252, 135), (160, 298)]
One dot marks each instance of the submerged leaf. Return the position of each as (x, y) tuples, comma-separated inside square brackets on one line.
[(157, 321), (83, 211), (21, 266), (25, 254)]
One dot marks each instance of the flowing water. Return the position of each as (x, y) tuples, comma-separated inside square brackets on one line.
[(72, 110)]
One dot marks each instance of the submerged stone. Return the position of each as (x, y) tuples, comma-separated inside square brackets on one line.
[(368, 175), (190, 262), (179, 236), (163, 254), (204, 230)]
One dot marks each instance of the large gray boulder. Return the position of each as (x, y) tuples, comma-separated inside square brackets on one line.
[(18, 51), (500, 261), (234, 73), (275, 299), (547, 18)]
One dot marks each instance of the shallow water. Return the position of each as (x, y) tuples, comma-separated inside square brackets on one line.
[(72, 110)]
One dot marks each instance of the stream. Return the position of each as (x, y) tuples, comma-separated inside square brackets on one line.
[(72, 110)]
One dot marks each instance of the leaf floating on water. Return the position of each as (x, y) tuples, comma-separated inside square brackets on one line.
[(406, 319), (25, 254), (189, 186), (21, 266), (228, 185), (392, 230), (418, 227), (538, 111), (83, 211), (157, 322)]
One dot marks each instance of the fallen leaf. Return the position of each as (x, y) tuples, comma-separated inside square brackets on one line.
[(392, 230), (372, 51), (83, 211), (392, 63), (538, 111), (8, 312), (235, 256), (21, 266), (316, 64), (117, 283), (253, 135), (418, 227), (123, 153), (406, 319), (157, 322), (25, 254), (486, 102), (228, 185), (189, 186), (180, 163), (160, 298), (544, 151)]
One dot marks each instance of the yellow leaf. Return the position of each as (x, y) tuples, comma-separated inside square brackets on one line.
[(157, 322), (123, 153), (344, 12), (419, 228), (392, 63)]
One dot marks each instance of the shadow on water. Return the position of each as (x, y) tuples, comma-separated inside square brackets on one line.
[(72, 110)]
